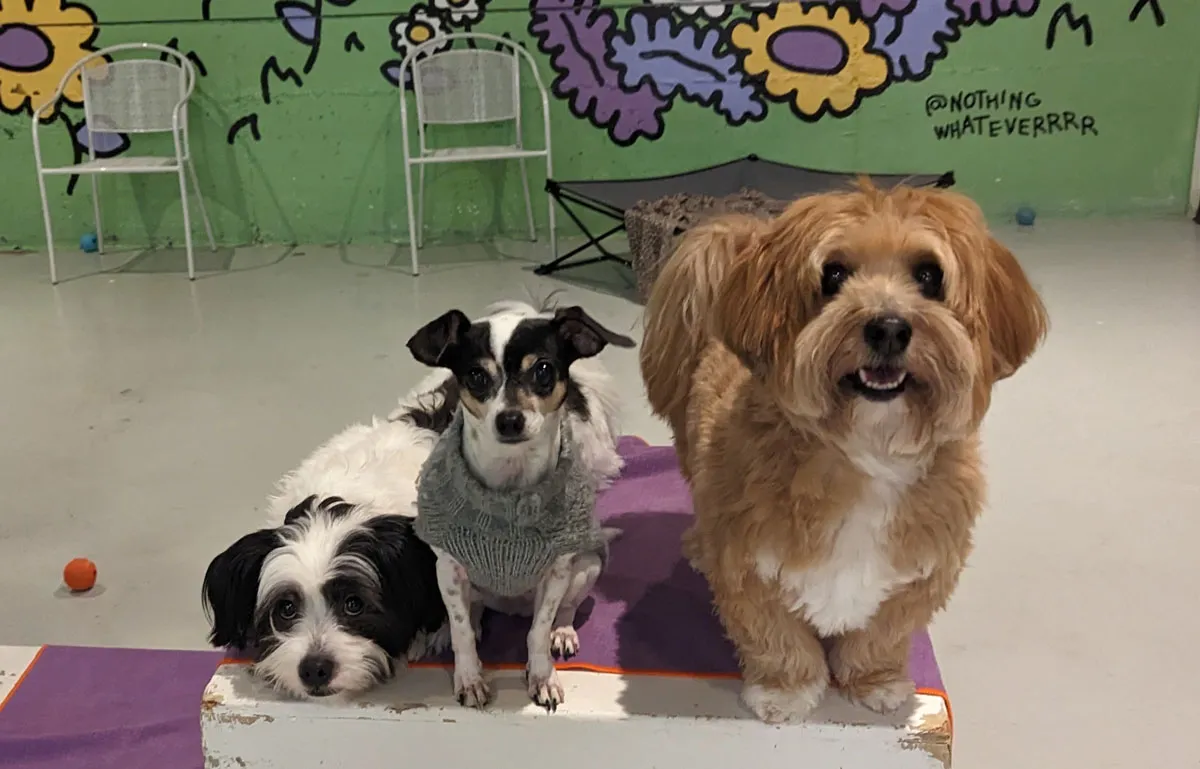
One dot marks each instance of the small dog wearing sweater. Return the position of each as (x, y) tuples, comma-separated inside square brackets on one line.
[(507, 498)]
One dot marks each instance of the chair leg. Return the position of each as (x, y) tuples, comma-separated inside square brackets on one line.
[(96, 210), (412, 216), (187, 223), (553, 232), (528, 200), (208, 230), (49, 229), (421, 206)]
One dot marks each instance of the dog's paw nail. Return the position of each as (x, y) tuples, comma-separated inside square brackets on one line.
[(545, 691), (564, 642), (472, 691)]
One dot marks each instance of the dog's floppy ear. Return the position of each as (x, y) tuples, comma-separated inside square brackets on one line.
[(230, 588), (582, 335), (1005, 311), (407, 569), (1016, 318), (770, 287), (435, 339)]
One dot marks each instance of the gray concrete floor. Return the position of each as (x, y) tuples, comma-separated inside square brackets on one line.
[(145, 418)]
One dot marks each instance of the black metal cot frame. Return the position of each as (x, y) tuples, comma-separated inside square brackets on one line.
[(806, 181), (563, 196)]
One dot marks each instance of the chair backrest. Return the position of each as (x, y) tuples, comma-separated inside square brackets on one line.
[(135, 95), (467, 85)]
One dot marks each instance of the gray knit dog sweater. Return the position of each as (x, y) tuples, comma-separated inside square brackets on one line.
[(506, 539)]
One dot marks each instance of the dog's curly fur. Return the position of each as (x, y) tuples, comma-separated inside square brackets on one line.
[(833, 514)]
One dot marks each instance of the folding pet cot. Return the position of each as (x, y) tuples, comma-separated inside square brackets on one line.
[(749, 184)]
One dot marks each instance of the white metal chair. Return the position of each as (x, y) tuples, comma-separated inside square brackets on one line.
[(139, 95), (464, 86)]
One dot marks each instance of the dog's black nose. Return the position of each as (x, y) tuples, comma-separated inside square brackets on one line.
[(888, 334), (510, 424), (316, 671)]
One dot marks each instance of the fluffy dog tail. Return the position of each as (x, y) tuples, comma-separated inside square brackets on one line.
[(678, 313)]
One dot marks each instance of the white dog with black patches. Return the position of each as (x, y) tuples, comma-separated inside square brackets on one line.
[(337, 587), (507, 498)]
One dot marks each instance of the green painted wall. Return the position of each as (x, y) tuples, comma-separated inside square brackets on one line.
[(326, 165)]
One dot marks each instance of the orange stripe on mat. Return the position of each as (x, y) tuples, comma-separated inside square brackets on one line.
[(588, 668), (37, 656)]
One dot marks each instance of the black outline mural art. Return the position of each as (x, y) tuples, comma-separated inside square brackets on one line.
[(1067, 12), (46, 22), (624, 74), (1160, 18), (302, 22)]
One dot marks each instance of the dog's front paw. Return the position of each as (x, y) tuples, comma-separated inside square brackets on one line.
[(782, 706), (564, 642), (885, 697), (471, 689), (545, 689)]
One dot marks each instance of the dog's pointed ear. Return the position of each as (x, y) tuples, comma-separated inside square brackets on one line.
[(584, 336), (440, 336), (230, 589)]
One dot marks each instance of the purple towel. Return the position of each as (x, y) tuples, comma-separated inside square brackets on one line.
[(88, 708)]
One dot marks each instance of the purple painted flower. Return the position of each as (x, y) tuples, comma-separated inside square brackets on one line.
[(679, 59), (872, 8), (578, 38), (912, 42), (299, 19), (987, 11), (105, 143)]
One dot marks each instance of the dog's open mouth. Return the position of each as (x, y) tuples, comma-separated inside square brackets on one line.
[(877, 383)]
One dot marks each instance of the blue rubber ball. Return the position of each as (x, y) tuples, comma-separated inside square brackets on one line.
[(1025, 216), (88, 243)]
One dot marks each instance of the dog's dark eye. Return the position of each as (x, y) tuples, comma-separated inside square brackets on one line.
[(543, 376), (286, 610), (832, 277), (353, 606), (478, 381), (928, 276)]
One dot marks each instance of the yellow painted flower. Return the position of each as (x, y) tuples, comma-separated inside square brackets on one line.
[(39, 41), (817, 56)]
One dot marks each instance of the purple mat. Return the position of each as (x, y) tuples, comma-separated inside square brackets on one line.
[(88, 708), (650, 612)]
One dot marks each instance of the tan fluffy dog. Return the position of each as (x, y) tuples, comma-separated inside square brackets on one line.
[(825, 375)]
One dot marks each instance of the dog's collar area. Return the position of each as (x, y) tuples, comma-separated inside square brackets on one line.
[(506, 539)]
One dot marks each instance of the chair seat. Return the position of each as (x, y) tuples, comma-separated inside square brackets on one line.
[(457, 154), (148, 164)]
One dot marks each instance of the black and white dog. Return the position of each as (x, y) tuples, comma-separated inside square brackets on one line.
[(337, 587), (517, 374)]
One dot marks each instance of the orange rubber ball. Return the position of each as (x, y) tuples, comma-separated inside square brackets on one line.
[(80, 575)]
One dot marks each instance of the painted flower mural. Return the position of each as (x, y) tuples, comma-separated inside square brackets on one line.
[(715, 11), (461, 13), (816, 57), (417, 27), (39, 41), (624, 67), (409, 30), (623, 72)]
